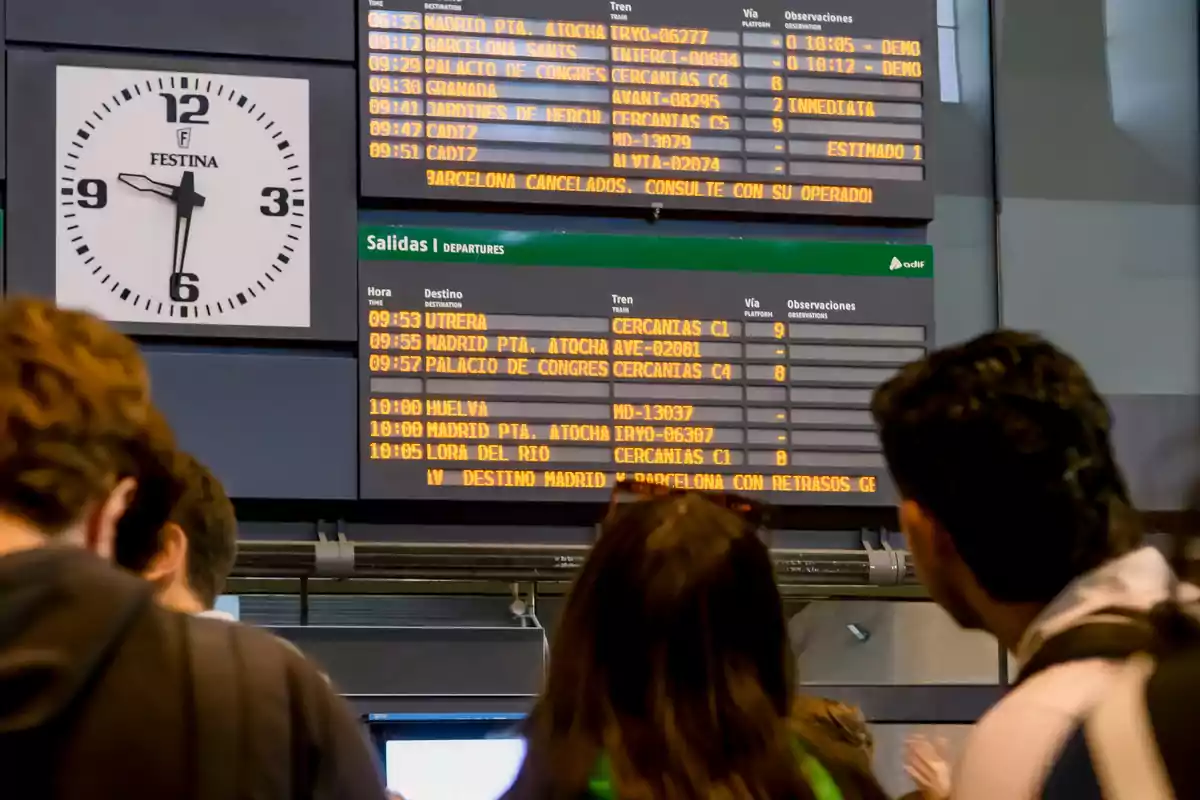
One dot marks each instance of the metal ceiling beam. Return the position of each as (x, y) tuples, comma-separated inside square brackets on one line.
[(821, 570)]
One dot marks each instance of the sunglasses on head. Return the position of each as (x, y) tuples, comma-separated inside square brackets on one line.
[(755, 514)]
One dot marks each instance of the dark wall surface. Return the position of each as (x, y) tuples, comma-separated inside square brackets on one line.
[(298, 29), (3, 111), (1098, 134), (271, 425), (471, 662)]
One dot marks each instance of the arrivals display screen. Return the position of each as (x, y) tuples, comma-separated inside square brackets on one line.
[(786, 106), (541, 366)]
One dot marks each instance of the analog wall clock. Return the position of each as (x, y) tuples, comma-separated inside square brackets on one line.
[(183, 197)]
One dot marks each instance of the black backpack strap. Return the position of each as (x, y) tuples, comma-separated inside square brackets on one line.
[(1138, 742), (270, 705), (1172, 696), (1073, 774), (1105, 637), (244, 711)]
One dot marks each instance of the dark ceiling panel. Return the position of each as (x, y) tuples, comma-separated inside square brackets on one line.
[(309, 29)]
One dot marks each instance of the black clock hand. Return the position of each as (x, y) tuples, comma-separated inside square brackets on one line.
[(145, 184), (186, 201)]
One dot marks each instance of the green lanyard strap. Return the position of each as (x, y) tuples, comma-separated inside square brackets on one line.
[(819, 780), (600, 785)]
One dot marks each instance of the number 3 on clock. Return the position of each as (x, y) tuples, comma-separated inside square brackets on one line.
[(279, 202)]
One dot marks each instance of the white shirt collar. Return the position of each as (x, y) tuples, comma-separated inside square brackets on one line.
[(1137, 581), (213, 613)]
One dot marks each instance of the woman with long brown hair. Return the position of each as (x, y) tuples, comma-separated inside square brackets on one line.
[(671, 675)]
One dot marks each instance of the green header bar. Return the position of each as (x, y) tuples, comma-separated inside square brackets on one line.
[(468, 245)]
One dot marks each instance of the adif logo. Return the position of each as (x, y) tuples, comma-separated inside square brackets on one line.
[(898, 264)]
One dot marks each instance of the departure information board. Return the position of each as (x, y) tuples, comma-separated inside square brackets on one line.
[(543, 366), (782, 106)]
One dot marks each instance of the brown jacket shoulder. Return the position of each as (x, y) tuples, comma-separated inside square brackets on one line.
[(127, 695)]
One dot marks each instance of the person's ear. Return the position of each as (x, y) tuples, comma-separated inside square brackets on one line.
[(100, 531), (171, 558), (918, 527), (927, 539)]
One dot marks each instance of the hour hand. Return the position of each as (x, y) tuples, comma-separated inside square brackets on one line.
[(145, 184)]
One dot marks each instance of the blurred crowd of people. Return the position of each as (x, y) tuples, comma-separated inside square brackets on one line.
[(671, 675)]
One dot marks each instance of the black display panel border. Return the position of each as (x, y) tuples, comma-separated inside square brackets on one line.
[(296, 29), (3, 103)]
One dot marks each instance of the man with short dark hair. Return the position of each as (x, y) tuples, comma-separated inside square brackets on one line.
[(191, 557), (1019, 523), (103, 693)]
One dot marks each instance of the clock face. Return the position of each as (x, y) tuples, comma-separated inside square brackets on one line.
[(183, 197)]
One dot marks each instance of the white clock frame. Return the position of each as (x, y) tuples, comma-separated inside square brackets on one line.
[(253, 269)]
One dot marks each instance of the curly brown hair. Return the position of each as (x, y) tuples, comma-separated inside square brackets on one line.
[(75, 413)]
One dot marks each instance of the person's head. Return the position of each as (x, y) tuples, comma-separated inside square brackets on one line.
[(190, 557), (77, 429), (1001, 451), (671, 658)]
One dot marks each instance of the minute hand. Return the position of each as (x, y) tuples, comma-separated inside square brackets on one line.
[(186, 201)]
